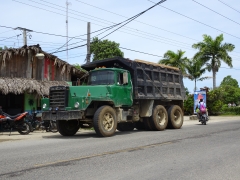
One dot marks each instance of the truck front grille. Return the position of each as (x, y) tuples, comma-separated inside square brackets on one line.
[(58, 97)]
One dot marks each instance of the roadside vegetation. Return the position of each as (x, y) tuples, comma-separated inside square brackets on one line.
[(211, 53), (219, 99)]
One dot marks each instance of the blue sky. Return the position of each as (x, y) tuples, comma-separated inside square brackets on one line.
[(172, 26)]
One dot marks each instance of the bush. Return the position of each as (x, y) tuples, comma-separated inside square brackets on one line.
[(230, 110), (188, 105), (214, 102)]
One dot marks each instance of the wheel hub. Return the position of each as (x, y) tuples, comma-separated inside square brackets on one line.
[(161, 117), (108, 121)]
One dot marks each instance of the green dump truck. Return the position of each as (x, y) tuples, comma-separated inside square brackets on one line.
[(120, 94)]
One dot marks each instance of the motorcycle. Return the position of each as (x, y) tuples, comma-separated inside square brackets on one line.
[(203, 118), (16, 122), (49, 125)]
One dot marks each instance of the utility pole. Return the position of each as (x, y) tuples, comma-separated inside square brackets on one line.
[(67, 4), (88, 41), (24, 34)]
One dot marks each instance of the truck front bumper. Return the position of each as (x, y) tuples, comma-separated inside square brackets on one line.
[(62, 115)]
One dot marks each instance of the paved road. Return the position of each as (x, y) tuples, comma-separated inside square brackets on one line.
[(193, 152)]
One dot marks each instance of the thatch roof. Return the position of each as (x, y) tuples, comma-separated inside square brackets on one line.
[(21, 85), (7, 54)]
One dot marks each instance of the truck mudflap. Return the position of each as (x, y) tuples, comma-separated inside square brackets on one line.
[(62, 115)]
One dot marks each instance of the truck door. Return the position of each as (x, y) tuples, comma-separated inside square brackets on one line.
[(125, 96)]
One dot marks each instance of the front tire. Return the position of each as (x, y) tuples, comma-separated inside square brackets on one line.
[(104, 121), (25, 128), (68, 128), (175, 116), (159, 118)]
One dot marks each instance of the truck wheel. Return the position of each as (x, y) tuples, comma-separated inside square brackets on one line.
[(159, 118), (147, 124), (175, 116), (104, 121), (125, 126), (68, 128)]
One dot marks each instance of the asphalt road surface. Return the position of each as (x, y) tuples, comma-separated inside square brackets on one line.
[(196, 151)]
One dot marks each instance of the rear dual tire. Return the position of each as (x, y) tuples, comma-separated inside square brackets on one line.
[(175, 116), (159, 118)]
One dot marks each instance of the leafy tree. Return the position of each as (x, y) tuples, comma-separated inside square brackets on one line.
[(215, 51), (230, 94), (102, 49), (228, 80), (195, 70), (175, 59)]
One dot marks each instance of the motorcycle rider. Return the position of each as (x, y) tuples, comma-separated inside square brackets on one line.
[(200, 108)]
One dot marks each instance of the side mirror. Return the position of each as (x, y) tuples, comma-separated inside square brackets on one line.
[(125, 78)]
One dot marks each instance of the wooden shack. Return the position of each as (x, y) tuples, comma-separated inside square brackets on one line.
[(25, 77)]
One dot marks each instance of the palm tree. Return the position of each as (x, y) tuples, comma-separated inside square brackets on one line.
[(214, 51), (175, 59), (196, 69)]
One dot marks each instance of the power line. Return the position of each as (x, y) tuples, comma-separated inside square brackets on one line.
[(138, 31), (229, 68), (197, 21), (75, 37), (134, 17), (10, 37), (229, 6), (93, 17), (88, 15), (149, 34), (127, 21), (215, 12), (140, 52), (137, 21), (5, 31)]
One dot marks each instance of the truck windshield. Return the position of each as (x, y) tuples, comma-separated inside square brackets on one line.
[(101, 77)]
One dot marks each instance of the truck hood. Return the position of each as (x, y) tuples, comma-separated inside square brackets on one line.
[(92, 92)]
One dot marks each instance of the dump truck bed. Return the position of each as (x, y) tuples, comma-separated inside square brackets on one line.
[(150, 80)]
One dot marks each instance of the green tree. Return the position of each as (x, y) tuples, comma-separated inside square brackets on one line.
[(195, 69), (215, 51), (229, 94), (175, 59), (101, 49), (228, 80)]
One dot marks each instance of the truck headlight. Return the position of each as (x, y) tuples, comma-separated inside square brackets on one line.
[(44, 105), (76, 105)]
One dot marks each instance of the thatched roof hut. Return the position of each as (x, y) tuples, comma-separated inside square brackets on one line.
[(21, 71), (7, 54)]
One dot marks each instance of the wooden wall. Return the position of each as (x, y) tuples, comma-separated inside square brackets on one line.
[(32, 67)]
